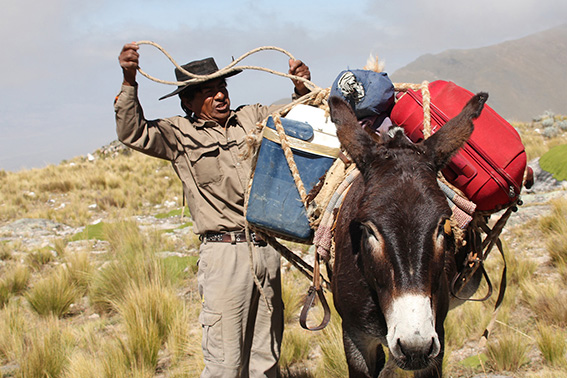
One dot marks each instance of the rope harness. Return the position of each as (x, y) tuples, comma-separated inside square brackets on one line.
[(476, 226)]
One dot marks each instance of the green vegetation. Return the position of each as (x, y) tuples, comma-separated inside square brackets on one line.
[(555, 162), (119, 298)]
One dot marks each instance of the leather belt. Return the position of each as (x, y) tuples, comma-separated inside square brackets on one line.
[(230, 237)]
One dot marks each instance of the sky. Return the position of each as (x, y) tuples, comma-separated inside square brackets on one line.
[(59, 70)]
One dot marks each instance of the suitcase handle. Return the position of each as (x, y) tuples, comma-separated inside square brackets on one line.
[(459, 170)]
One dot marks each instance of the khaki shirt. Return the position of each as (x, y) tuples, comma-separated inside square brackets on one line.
[(205, 155)]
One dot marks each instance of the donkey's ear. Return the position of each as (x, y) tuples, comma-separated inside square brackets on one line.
[(356, 141), (452, 136)]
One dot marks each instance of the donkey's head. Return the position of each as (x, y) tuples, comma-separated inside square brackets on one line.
[(400, 234)]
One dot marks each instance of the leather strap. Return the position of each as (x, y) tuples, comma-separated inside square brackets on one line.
[(316, 289)]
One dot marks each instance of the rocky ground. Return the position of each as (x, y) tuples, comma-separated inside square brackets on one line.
[(38, 233)]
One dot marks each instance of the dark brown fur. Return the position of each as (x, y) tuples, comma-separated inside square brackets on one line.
[(389, 236)]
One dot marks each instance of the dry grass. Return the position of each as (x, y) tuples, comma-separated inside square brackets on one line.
[(52, 295), (46, 350), (134, 313), (552, 343), (509, 352)]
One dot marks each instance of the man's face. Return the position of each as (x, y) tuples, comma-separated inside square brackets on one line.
[(211, 102)]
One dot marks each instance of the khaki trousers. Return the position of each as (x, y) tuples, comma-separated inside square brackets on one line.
[(241, 337)]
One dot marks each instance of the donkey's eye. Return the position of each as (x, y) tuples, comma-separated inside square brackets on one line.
[(443, 229), (373, 237)]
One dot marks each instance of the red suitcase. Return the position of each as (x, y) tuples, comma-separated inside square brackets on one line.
[(489, 169)]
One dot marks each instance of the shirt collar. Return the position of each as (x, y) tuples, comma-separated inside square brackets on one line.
[(200, 123)]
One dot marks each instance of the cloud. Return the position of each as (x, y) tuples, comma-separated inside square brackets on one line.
[(60, 68)]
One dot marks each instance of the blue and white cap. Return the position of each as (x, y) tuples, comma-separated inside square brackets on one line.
[(369, 93)]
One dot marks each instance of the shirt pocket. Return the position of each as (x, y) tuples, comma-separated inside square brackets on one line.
[(205, 164), (212, 335)]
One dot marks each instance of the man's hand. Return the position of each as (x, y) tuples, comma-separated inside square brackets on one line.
[(298, 68), (128, 59)]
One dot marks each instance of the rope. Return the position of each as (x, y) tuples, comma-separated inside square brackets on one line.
[(317, 93), (232, 67), (426, 99)]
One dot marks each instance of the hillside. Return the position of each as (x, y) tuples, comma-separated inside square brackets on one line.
[(92, 249), (524, 77)]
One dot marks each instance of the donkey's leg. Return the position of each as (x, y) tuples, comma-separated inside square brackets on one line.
[(365, 356)]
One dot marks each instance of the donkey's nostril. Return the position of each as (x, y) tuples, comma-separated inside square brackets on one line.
[(435, 347), (432, 347), (418, 350)]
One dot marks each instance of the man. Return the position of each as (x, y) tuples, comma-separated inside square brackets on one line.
[(241, 334)]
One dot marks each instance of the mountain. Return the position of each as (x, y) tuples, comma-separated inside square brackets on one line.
[(523, 77)]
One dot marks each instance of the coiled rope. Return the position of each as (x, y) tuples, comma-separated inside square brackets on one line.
[(232, 67)]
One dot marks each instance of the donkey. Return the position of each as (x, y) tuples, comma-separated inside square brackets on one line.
[(395, 253)]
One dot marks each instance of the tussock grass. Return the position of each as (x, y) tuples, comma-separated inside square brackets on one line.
[(180, 340), (83, 365), (64, 193), (509, 352), (15, 277), (296, 346), (135, 263), (14, 280), (519, 268), (5, 251), (79, 270), (293, 296), (80, 193), (548, 302), (46, 350), (333, 362), (548, 373), (5, 294), (466, 322), (555, 226), (148, 311), (40, 257), (12, 328), (52, 295), (552, 344)]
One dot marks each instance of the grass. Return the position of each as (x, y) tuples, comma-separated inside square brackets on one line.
[(52, 295), (148, 312), (551, 341), (112, 301), (46, 349), (508, 353), (554, 161)]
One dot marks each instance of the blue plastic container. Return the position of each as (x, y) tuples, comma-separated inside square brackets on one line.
[(274, 203)]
